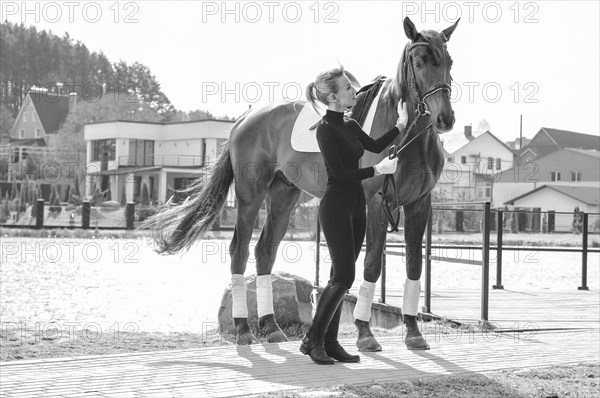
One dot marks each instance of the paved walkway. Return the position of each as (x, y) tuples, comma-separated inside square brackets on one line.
[(233, 371)]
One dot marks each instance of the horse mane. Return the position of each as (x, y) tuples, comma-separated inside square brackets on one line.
[(396, 89)]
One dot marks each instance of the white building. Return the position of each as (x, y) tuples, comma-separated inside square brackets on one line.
[(124, 155), (561, 198), (472, 163)]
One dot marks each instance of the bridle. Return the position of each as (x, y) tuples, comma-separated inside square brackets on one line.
[(390, 202)]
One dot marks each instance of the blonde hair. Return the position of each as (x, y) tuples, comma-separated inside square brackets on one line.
[(324, 85)]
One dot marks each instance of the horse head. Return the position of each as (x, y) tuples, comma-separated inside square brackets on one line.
[(423, 75)]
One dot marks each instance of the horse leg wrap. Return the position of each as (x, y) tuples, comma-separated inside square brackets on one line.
[(362, 311), (410, 297), (239, 308), (264, 295)]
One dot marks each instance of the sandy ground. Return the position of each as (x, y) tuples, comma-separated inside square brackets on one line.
[(122, 284)]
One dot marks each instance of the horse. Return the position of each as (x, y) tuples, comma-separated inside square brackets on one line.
[(257, 156)]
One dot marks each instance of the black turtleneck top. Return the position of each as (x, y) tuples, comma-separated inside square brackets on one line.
[(343, 142)]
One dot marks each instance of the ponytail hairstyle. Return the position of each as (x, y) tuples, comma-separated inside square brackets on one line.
[(324, 85)]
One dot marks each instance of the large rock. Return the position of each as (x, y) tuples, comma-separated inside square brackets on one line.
[(291, 301)]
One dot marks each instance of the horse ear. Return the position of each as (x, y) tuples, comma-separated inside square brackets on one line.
[(446, 33), (410, 30)]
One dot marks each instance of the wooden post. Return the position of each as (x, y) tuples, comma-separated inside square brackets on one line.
[(129, 215), (584, 285), (39, 214), (427, 304), (485, 269), (85, 215), (499, 230)]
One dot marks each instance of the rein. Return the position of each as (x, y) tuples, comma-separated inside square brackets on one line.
[(390, 202)]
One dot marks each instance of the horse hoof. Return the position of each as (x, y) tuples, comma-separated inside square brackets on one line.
[(243, 334), (245, 339), (366, 341), (368, 344), (416, 343), (277, 337), (269, 328)]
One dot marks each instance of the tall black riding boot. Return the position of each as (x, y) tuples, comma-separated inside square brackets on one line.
[(332, 345), (313, 343)]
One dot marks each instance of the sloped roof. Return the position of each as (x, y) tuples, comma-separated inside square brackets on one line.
[(589, 152), (588, 195), (27, 142), (456, 139), (52, 109), (570, 139)]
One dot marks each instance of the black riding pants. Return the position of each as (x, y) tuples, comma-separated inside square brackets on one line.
[(342, 215)]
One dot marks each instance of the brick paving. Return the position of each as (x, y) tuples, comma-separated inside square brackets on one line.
[(229, 371)]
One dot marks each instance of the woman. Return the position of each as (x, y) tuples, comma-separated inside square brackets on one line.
[(342, 212)]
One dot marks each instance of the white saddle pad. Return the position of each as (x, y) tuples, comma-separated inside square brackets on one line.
[(305, 140)]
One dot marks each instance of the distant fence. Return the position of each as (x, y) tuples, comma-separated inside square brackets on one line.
[(85, 216), (490, 220)]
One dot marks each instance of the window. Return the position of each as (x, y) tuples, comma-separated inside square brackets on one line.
[(490, 163), (463, 159), (33, 118), (450, 159), (37, 133), (576, 176), (498, 164), (555, 176), (100, 147), (141, 153), (21, 133), (484, 190), (24, 116)]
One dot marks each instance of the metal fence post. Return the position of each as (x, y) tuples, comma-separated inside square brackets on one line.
[(427, 306), (485, 269), (129, 215), (318, 254), (383, 273), (584, 254), (85, 215), (39, 214), (499, 230)]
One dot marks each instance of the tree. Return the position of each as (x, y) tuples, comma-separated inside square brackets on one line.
[(484, 125), (145, 195), (7, 122), (123, 196), (76, 184), (4, 212), (13, 190)]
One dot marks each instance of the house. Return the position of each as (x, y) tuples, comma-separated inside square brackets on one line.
[(560, 198), (518, 143), (37, 122), (548, 140), (575, 167), (122, 156), (472, 162)]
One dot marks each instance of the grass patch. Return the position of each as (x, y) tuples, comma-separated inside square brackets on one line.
[(573, 380)]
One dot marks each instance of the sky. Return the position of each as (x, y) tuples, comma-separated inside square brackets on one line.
[(539, 59)]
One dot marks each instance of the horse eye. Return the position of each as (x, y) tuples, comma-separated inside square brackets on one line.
[(418, 65)]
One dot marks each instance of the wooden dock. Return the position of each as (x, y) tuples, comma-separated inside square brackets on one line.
[(236, 371)]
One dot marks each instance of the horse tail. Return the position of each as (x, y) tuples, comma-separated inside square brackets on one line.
[(176, 228)]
